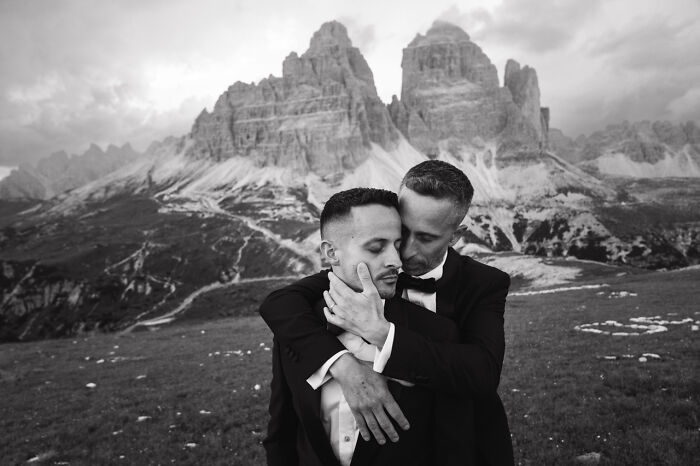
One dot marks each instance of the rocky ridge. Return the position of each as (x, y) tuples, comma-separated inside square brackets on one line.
[(59, 173), (641, 149), (321, 116), (450, 96)]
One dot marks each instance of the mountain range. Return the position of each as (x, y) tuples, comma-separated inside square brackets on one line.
[(232, 207), (59, 172)]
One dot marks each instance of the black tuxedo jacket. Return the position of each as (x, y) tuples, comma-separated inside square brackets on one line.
[(472, 295), (295, 431)]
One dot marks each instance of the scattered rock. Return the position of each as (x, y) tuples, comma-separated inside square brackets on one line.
[(42, 457), (588, 458)]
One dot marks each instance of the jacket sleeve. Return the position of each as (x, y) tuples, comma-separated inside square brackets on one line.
[(472, 366), (432, 326), (283, 425), (300, 332)]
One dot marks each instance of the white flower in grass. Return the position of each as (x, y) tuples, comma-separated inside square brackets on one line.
[(90, 385), (142, 418), (256, 387)]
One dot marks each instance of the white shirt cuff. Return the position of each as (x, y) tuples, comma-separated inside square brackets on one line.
[(382, 357), (322, 376)]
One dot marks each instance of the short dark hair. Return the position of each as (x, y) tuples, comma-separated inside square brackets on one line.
[(340, 203), (441, 180)]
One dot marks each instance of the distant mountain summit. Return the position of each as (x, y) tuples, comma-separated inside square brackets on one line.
[(642, 149), (321, 116), (450, 94), (59, 173)]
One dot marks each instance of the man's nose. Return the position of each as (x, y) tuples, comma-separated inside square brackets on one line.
[(393, 259), (407, 246)]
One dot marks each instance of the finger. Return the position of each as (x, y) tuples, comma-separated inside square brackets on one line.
[(396, 414), (331, 318), (368, 286), (365, 278), (329, 300), (374, 427), (338, 298), (335, 303), (338, 287), (385, 424), (364, 431)]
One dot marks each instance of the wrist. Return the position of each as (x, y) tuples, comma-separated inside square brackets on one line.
[(379, 334), (342, 365)]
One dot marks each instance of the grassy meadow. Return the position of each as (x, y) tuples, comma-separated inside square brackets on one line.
[(196, 392)]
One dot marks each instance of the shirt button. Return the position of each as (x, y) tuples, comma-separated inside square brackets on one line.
[(346, 438)]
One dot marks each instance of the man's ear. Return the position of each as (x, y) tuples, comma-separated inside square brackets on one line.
[(329, 253), (457, 234)]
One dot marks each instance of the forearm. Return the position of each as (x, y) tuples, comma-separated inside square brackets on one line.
[(300, 332), (457, 368), (471, 365)]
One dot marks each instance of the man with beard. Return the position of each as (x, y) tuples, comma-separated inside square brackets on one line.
[(433, 200)]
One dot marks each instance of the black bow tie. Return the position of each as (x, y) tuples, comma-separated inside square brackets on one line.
[(426, 285)]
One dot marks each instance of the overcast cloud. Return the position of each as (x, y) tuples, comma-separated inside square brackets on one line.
[(79, 71)]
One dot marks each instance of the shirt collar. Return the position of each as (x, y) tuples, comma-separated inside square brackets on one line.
[(436, 273)]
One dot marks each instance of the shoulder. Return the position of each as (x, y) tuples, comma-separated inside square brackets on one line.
[(478, 271), (310, 287), (313, 281)]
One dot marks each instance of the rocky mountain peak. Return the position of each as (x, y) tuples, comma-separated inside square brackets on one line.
[(440, 32), (451, 96), (321, 116), (331, 35), (525, 90)]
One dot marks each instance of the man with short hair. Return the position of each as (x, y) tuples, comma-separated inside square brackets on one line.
[(311, 422), (433, 199)]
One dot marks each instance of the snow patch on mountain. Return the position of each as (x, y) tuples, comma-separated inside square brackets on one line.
[(382, 169), (5, 171), (678, 164), (524, 177), (534, 269)]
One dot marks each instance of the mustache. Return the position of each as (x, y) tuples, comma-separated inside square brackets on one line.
[(394, 273)]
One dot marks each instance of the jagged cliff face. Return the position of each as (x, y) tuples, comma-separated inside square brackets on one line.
[(636, 150), (450, 95), (321, 116), (59, 173), (452, 107), (525, 91)]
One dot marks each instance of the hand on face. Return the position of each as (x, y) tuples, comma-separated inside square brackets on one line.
[(361, 313)]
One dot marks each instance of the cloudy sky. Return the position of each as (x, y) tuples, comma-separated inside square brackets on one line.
[(74, 72)]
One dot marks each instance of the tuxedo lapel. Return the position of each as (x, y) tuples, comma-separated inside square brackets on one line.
[(446, 295)]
